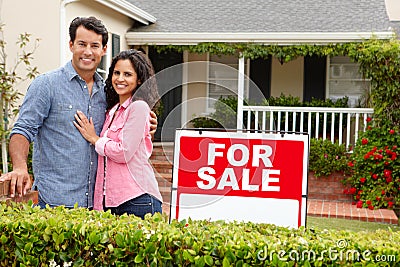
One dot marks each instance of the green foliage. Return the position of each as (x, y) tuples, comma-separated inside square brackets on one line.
[(327, 157), (380, 62), (79, 237), (224, 115), (375, 166), (283, 101), (226, 112), (294, 101), (9, 79), (205, 122)]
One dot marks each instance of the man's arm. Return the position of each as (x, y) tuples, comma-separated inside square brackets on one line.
[(153, 124), (19, 177)]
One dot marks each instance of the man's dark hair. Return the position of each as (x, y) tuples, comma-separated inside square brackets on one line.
[(91, 24)]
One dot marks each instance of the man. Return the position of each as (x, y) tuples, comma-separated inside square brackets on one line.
[(64, 163)]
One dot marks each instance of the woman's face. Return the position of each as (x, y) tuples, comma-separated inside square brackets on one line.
[(124, 79)]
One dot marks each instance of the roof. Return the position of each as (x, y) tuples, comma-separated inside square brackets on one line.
[(186, 21), (129, 9)]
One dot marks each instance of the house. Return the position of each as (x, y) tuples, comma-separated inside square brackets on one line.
[(264, 22), (48, 20), (191, 82)]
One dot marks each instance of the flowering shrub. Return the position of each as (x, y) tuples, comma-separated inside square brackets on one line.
[(375, 168), (327, 157)]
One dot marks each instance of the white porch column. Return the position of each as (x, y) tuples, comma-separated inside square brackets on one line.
[(64, 36), (239, 124)]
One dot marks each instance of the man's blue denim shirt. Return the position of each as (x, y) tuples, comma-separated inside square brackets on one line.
[(64, 163)]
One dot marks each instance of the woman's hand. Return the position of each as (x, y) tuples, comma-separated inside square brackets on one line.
[(85, 127)]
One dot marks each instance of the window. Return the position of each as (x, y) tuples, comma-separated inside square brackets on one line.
[(345, 79), (223, 78), (113, 48), (116, 47)]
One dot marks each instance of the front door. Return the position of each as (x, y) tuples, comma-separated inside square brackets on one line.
[(168, 69)]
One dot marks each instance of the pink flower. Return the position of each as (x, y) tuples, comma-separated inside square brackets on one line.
[(369, 119), (362, 180), (359, 204), (370, 207), (392, 131), (390, 204), (374, 176)]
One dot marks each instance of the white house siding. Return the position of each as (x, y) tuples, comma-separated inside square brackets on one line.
[(41, 18), (287, 78), (196, 91)]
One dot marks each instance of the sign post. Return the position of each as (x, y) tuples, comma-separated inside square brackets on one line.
[(236, 176)]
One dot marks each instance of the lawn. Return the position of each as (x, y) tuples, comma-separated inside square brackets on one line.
[(343, 224)]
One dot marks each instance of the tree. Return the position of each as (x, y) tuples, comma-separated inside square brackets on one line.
[(9, 79)]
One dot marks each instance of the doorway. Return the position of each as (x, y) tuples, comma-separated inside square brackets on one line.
[(168, 69)]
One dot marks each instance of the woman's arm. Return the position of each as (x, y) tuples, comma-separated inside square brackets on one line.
[(131, 135)]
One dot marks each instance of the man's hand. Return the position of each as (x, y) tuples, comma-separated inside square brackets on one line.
[(153, 124), (20, 182)]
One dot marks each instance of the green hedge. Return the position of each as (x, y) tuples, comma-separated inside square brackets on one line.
[(78, 237)]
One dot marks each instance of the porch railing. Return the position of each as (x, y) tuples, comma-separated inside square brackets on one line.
[(337, 124)]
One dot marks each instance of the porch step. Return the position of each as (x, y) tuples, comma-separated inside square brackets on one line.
[(162, 162)]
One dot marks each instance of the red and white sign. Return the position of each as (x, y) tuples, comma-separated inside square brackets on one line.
[(237, 176)]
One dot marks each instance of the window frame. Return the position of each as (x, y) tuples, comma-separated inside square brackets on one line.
[(354, 97), (213, 80)]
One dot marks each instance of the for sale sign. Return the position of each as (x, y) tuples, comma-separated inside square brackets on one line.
[(238, 176)]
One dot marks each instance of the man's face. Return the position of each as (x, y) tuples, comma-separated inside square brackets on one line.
[(86, 51)]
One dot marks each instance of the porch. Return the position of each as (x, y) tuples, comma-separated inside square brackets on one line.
[(341, 125)]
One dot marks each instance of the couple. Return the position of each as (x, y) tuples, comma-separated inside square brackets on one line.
[(70, 115)]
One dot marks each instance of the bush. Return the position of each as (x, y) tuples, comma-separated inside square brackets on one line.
[(375, 167), (327, 157), (223, 117), (79, 237)]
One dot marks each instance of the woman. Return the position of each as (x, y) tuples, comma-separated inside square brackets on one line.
[(126, 183)]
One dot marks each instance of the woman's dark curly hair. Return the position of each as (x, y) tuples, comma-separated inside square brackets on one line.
[(146, 91)]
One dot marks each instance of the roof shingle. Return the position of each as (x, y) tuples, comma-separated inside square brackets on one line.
[(241, 16)]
